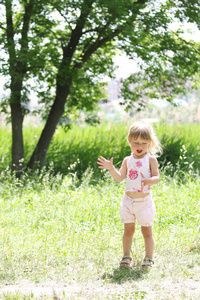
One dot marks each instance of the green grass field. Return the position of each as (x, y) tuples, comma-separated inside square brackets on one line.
[(61, 235), (60, 241)]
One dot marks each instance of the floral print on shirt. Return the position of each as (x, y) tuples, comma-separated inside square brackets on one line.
[(133, 174), (139, 164)]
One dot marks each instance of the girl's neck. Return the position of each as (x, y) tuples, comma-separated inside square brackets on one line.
[(138, 157)]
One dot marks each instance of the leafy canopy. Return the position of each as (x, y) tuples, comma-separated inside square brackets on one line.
[(79, 39)]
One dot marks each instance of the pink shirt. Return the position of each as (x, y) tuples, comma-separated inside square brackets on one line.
[(135, 166)]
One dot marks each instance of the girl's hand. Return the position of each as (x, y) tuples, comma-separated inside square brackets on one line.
[(104, 163), (143, 180)]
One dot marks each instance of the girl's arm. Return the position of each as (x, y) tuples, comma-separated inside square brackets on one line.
[(108, 164), (155, 176)]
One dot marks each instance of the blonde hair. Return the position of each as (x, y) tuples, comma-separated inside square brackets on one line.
[(146, 132)]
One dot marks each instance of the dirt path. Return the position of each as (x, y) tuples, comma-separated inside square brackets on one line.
[(165, 289)]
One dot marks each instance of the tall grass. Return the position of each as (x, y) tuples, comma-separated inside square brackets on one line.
[(76, 150), (79, 149), (5, 147), (181, 146)]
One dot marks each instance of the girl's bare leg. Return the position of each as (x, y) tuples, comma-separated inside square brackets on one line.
[(148, 241), (129, 229)]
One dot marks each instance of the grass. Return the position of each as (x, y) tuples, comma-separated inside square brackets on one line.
[(76, 150), (79, 148), (60, 231), (65, 238)]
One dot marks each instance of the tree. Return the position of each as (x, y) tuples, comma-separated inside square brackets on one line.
[(67, 47)]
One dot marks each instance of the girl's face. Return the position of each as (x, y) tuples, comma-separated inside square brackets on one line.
[(139, 147)]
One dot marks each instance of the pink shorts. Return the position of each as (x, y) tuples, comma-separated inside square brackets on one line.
[(141, 209)]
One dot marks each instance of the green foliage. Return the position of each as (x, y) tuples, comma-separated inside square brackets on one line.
[(62, 50), (5, 147), (81, 147), (76, 150), (180, 148), (139, 29)]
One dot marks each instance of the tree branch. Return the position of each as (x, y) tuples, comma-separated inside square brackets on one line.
[(1, 26), (101, 32), (24, 37), (185, 42), (78, 31), (95, 46), (62, 14), (91, 30), (100, 42), (26, 20), (10, 34)]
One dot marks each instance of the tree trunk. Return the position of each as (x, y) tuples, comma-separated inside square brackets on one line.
[(17, 71), (17, 138), (38, 157)]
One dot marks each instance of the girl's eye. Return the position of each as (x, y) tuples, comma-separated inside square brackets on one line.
[(143, 144)]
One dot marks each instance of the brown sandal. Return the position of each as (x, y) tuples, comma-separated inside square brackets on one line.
[(126, 261), (147, 262)]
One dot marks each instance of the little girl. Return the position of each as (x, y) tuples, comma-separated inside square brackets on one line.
[(141, 171)]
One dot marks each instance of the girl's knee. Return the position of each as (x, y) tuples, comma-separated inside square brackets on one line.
[(147, 231), (129, 228)]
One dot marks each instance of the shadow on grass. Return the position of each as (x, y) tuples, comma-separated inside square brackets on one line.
[(121, 275)]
